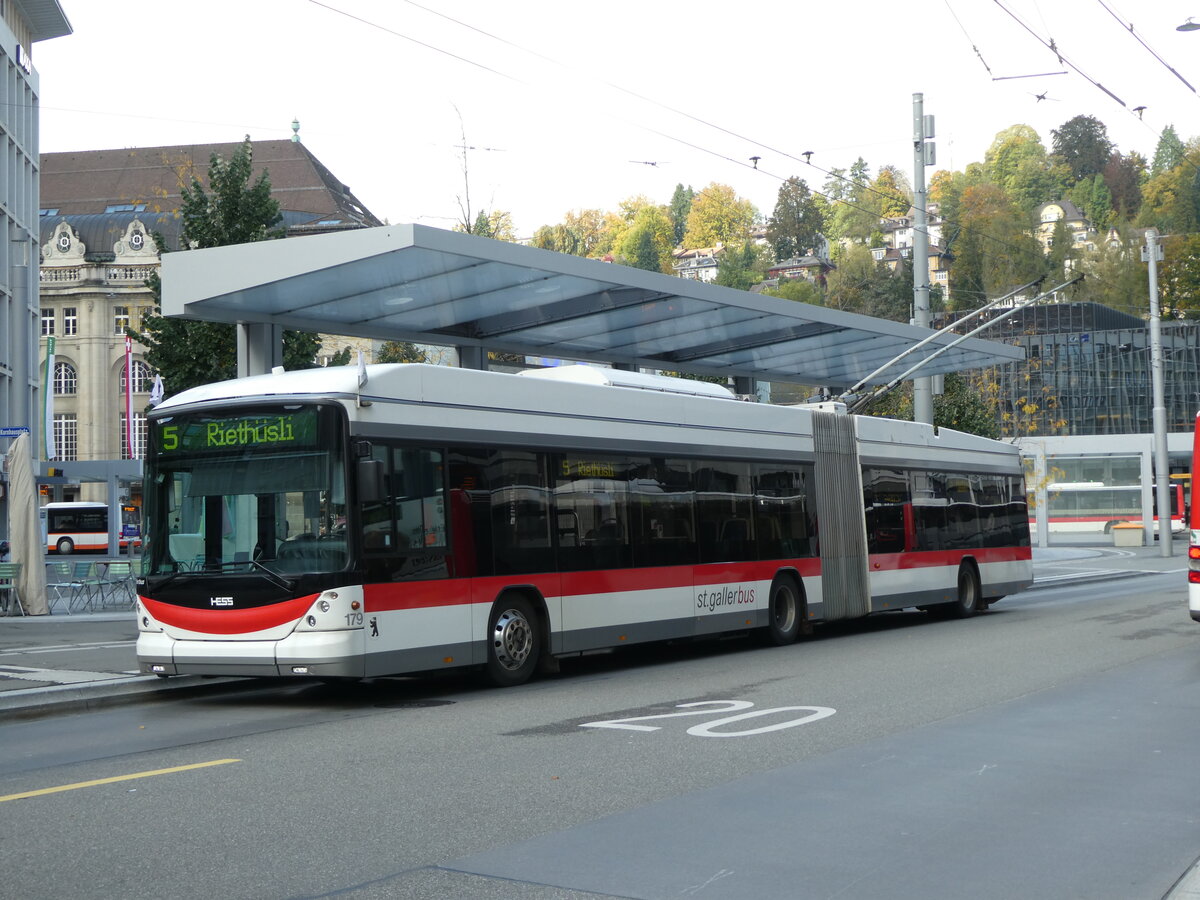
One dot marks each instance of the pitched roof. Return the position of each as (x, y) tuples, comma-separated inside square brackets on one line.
[(92, 181)]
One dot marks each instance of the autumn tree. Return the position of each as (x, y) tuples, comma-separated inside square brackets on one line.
[(718, 216), (994, 249), (1179, 275), (400, 352), (795, 225), (232, 210), (1124, 175)]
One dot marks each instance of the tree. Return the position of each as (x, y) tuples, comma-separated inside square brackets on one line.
[(891, 194), (718, 216), (1116, 276), (800, 290), (497, 224), (1170, 200), (1018, 163), (1169, 152), (994, 251), (231, 211), (1179, 275), (680, 206), (854, 215), (741, 267), (1082, 143), (959, 407), (400, 352), (648, 241), (1124, 176), (795, 226)]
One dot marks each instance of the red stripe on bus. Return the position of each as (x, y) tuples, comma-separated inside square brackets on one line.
[(925, 559), (453, 592), (229, 621)]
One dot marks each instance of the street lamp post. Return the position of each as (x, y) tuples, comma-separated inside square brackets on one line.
[(1152, 253)]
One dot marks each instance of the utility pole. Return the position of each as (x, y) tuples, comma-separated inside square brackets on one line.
[(924, 155), (1151, 254)]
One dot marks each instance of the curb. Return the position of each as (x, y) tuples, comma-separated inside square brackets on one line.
[(33, 703)]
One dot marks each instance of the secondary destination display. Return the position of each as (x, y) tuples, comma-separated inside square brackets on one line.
[(291, 428)]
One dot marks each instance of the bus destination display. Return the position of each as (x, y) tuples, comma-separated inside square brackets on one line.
[(275, 430)]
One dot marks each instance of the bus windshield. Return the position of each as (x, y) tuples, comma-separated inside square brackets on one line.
[(232, 490)]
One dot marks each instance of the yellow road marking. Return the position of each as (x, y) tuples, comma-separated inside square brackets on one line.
[(116, 778)]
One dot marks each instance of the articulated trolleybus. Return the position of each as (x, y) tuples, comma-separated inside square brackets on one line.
[(341, 523)]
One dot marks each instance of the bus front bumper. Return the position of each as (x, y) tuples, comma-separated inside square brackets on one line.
[(327, 654)]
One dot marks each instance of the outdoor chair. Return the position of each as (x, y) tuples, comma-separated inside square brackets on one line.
[(61, 587), (10, 600), (116, 585), (83, 576)]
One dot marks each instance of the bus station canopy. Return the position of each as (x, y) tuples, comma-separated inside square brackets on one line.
[(430, 286)]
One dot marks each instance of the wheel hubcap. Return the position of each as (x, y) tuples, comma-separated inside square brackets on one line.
[(784, 611), (512, 639)]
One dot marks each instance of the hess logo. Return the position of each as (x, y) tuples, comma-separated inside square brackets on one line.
[(220, 601)]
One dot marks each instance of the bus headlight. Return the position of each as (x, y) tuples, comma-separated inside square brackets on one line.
[(312, 621), (323, 606)]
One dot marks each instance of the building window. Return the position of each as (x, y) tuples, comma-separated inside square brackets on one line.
[(120, 319), (143, 378), (70, 320), (47, 321), (65, 436), (125, 207), (65, 380), (139, 437)]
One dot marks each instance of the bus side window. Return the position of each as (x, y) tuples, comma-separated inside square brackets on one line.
[(724, 511), (520, 512)]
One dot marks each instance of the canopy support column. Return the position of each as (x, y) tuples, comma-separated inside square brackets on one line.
[(259, 348)]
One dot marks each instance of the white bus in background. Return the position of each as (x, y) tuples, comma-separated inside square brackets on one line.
[(82, 526), (1092, 507)]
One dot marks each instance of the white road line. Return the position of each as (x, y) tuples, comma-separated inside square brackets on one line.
[(67, 648), (56, 676)]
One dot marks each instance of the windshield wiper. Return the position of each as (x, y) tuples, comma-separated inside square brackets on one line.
[(208, 569)]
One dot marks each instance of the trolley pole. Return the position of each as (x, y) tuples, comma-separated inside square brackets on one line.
[(923, 155), (1162, 468)]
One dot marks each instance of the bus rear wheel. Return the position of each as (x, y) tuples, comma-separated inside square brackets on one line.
[(66, 546), (784, 612), (514, 642), (970, 595)]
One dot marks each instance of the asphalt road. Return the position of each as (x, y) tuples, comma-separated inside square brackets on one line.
[(1045, 749)]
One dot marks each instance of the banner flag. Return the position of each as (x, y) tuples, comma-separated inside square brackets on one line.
[(156, 392), (50, 451), (129, 397)]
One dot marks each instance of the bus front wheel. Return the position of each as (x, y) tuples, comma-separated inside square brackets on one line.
[(66, 546), (784, 612), (514, 642)]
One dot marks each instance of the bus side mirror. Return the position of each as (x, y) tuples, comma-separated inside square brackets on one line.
[(370, 480)]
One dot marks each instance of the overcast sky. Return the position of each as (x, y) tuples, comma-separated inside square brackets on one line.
[(565, 103)]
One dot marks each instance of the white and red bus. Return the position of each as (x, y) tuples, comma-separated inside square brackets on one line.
[(81, 526), (416, 518), (1092, 507)]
